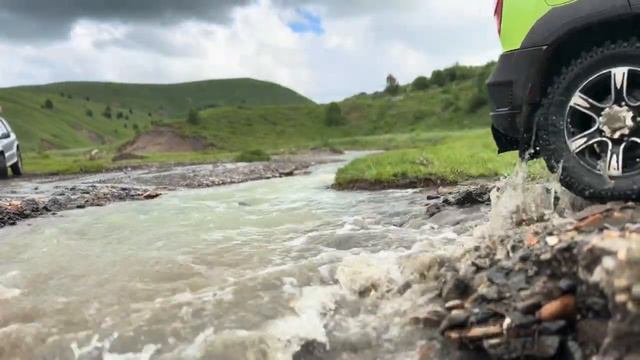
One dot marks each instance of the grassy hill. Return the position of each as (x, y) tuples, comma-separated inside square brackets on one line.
[(456, 102), (78, 120), (233, 116)]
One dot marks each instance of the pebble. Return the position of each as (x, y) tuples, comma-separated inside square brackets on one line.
[(552, 240), (454, 305), (457, 318), (561, 308)]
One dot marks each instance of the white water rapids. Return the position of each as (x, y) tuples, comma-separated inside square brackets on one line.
[(248, 271)]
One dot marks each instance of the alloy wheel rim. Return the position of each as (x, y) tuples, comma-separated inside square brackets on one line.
[(602, 122)]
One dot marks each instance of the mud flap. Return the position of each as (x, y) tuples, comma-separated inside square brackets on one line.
[(504, 142)]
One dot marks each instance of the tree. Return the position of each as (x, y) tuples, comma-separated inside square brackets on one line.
[(420, 83), (107, 112), (439, 78), (120, 115), (194, 117), (393, 88), (333, 115), (48, 104)]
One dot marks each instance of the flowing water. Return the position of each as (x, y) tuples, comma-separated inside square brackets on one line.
[(250, 271)]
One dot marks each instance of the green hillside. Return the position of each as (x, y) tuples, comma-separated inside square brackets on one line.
[(452, 99), (78, 119), (65, 121)]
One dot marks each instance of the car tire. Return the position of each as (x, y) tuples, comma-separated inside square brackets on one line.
[(4, 171), (580, 127), (16, 168)]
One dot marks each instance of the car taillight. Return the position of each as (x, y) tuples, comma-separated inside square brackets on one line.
[(497, 13)]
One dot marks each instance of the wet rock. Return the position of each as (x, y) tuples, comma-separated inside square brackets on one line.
[(552, 327), (433, 318), (568, 286), (286, 172), (456, 319), (473, 195), (455, 288), (55, 204), (529, 306), (30, 205), (591, 223), (543, 347), (481, 316), (475, 333), (519, 320), (433, 209), (562, 308), (311, 350), (498, 275), (402, 289), (489, 293), (572, 351), (149, 195), (482, 263)]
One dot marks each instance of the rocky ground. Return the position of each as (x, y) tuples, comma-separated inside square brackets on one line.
[(22, 199), (557, 284)]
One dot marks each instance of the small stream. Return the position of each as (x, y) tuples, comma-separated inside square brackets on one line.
[(249, 271)]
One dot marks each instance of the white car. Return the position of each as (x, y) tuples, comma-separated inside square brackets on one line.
[(10, 156)]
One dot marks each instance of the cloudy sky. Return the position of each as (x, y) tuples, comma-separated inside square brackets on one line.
[(325, 49)]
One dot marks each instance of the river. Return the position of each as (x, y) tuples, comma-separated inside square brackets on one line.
[(248, 271)]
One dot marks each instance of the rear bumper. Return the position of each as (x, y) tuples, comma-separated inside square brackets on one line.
[(514, 89)]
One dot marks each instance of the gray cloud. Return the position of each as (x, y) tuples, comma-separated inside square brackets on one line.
[(49, 19)]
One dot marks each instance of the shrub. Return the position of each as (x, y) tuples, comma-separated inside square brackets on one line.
[(89, 113), (120, 115), (194, 117), (333, 115), (130, 111), (48, 104), (255, 155), (477, 101), (420, 83), (107, 112), (419, 115)]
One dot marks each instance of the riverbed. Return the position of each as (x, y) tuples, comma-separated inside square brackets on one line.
[(248, 271)]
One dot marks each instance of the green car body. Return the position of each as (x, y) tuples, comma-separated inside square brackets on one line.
[(519, 16)]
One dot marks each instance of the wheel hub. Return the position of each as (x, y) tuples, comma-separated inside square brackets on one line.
[(617, 121), (602, 122)]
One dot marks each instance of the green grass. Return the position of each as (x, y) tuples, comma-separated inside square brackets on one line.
[(255, 155), (457, 157)]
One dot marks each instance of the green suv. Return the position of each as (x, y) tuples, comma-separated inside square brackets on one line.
[(567, 89)]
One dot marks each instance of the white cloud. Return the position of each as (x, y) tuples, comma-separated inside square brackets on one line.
[(356, 52)]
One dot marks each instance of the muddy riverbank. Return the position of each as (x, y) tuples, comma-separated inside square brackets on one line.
[(22, 199)]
